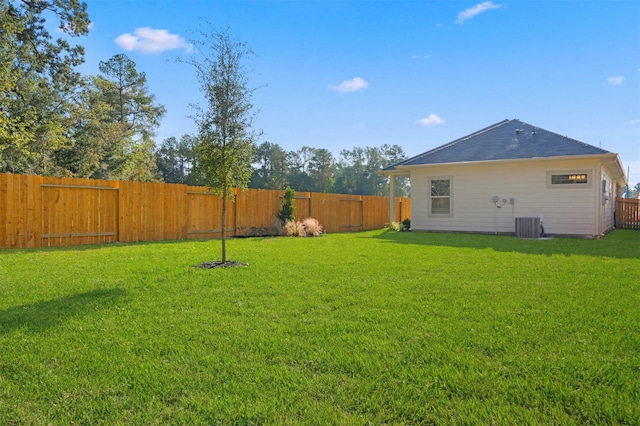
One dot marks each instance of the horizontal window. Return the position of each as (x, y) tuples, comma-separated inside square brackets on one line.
[(569, 179)]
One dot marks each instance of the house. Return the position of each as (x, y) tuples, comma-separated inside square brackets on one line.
[(484, 182)]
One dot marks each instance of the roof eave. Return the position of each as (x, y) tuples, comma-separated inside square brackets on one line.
[(618, 170), (394, 172)]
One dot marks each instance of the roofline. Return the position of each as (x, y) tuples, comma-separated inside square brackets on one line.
[(447, 145), (402, 164), (615, 159), (395, 172)]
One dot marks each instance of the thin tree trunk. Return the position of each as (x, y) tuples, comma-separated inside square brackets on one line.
[(224, 228)]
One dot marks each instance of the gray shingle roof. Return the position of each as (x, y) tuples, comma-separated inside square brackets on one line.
[(506, 140)]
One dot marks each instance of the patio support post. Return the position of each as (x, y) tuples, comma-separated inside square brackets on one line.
[(392, 198)]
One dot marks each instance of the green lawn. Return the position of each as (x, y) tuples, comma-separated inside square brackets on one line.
[(379, 327)]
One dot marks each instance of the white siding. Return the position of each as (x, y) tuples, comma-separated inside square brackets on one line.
[(565, 209)]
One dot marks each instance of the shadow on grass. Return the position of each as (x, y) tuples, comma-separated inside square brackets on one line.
[(99, 246), (38, 317), (622, 244)]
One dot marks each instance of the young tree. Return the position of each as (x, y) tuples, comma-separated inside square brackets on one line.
[(225, 138), (287, 206)]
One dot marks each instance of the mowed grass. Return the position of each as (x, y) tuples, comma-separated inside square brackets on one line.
[(379, 327)]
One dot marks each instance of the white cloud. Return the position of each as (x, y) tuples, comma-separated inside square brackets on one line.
[(359, 125), (417, 57), (476, 10), (352, 85), (633, 122), (149, 40), (431, 120), (615, 81)]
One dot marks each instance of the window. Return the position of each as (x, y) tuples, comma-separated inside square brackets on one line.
[(570, 179), (575, 178), (440, 197)]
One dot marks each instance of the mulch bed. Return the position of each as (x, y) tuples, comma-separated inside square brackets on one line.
[(219, 264)]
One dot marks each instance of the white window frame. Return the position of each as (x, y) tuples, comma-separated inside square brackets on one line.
[(431, 197)]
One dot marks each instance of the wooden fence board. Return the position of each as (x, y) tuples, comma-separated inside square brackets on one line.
[(203, 214), (77, 211), (628, 213), (375, 211), (350, 213), (324, 207), (255, 211), (34, 217), (23, 185), (40, 211), (124, 197), (303, 204), (12, 194), (134, 211), (4, 209)]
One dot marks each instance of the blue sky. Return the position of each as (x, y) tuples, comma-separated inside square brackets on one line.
[(344, 74)]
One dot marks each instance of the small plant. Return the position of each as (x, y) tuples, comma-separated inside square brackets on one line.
[(287, 206), (403, 226), (308, 227), (394, 226), (291, 229), (312, 227)]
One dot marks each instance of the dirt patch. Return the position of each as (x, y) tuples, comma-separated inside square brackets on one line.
[(219, 264)]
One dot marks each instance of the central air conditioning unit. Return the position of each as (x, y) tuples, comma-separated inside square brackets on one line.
[(528, 227)]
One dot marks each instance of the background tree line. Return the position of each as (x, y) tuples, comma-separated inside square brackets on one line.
[(55, 121), (307, 169)]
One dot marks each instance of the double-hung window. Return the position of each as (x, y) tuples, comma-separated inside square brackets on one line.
[(440, 197)]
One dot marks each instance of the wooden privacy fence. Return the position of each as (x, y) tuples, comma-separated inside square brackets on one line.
[(37, 211), (627, 213)]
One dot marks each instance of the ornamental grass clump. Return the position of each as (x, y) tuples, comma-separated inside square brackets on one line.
[(308, 227), (312, 227)]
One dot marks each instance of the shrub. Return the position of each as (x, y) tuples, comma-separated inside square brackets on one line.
[(287, 206), (394, 226), (405, 225)]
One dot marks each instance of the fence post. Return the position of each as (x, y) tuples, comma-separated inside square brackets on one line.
[(37, 200)]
